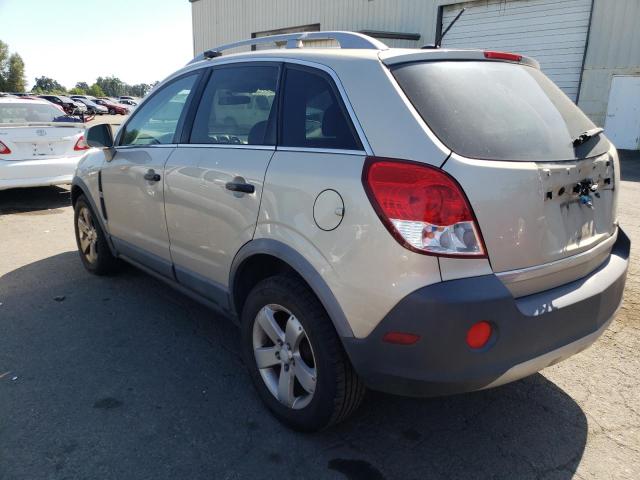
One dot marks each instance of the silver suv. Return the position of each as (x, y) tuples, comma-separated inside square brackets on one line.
[(421, 222)]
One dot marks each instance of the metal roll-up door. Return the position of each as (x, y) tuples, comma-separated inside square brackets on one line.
[(554, 32)]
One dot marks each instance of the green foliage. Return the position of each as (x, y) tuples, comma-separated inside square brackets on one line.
[(111, 86), (4, 65), (48, 85), (77, 91), (15, 80), (96, 91), (114, 87), (84, 86), (139, 90)]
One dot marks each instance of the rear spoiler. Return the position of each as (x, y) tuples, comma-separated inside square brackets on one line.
[(397, 56)]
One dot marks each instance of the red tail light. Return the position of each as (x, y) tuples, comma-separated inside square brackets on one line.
[(423, 207), (512, 57), (81, 144), (4, 150)]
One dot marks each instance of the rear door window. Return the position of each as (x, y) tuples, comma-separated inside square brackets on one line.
[(238, 106), (497, 110), (313, 116)]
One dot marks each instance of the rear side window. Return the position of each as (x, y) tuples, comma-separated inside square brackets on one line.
[(497, 110), (237, 106), (312, 114)]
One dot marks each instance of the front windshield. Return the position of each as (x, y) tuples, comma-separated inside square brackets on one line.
[(11, 113)]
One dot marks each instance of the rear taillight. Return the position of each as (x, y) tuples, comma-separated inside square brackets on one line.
[(81, 144), (511, 57), (4, 150), (423, 208)]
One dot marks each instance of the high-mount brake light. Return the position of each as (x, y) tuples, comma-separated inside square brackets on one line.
[(4, 150), (422, 207), (493, 55), (81, 144)]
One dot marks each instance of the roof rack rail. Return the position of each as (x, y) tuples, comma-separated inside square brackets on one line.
[(296, 40)]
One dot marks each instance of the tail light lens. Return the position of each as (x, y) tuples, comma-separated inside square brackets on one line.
[(4, 150), (424, 208), (81, 144)]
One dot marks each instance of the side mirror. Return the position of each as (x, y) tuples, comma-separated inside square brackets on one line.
[(100, 136)]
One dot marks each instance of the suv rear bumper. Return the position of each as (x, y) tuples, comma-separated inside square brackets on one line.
[(530, 333)]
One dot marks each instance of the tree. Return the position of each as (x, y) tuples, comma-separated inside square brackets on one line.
[(47, 85), (15, 80), (96, 91), (112, 86), (84, 86), (139, 90), (77, 91), (4, 64)]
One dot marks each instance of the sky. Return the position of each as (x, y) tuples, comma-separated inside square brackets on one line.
[(138, 41)]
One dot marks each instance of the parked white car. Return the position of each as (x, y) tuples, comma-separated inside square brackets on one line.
[(39, 145)]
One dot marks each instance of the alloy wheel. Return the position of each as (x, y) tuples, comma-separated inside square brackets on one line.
[(88, 235), (284, 356)]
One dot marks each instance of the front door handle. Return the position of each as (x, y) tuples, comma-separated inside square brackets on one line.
[(240, 187), (152, 176)]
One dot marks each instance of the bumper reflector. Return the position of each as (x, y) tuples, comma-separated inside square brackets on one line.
[(400, 338), (479, 334)]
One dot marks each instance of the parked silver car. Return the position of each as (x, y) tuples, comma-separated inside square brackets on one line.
[(422, 222), (91, 106)]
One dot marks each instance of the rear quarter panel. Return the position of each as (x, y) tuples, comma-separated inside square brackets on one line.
[(367, 271)]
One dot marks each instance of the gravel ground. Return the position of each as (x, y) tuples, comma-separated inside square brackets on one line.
[(123, 378)]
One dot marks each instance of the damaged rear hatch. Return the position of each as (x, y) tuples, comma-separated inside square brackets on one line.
[(540, 176)]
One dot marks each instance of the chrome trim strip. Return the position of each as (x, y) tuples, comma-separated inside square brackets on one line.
[(536, 271), (227, 145), (129, 147), (322, 150)]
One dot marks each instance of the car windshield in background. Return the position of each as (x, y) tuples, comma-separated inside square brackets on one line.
[(29, 113), (497, 111)]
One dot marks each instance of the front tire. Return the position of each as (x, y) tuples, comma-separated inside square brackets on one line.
[(112, 111), (92, 241), (295, 358)]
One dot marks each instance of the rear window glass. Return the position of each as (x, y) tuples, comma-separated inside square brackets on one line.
[(29, 113), (497, 111)]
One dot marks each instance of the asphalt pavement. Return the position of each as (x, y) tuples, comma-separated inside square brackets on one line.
[(123, 378)]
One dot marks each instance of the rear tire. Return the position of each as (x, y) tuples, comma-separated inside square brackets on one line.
[(94, 251), (316, 359)]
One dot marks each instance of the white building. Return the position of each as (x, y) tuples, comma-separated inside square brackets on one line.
[(590, 48)]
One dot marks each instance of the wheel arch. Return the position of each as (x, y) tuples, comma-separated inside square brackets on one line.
[(262, 258), (79, 187)]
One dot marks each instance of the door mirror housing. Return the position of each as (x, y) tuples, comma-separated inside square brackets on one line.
[(100, 136)]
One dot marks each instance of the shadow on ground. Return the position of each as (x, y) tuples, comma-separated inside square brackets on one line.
[(629, 165), (34, 201), (122, 377)]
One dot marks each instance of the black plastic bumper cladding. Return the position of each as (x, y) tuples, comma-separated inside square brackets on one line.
[(524, 328)]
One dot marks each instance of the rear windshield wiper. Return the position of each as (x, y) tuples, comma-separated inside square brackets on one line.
[(584, 136)]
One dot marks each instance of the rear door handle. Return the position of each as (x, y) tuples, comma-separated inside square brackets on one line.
[(240, 187), (152, 176)]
